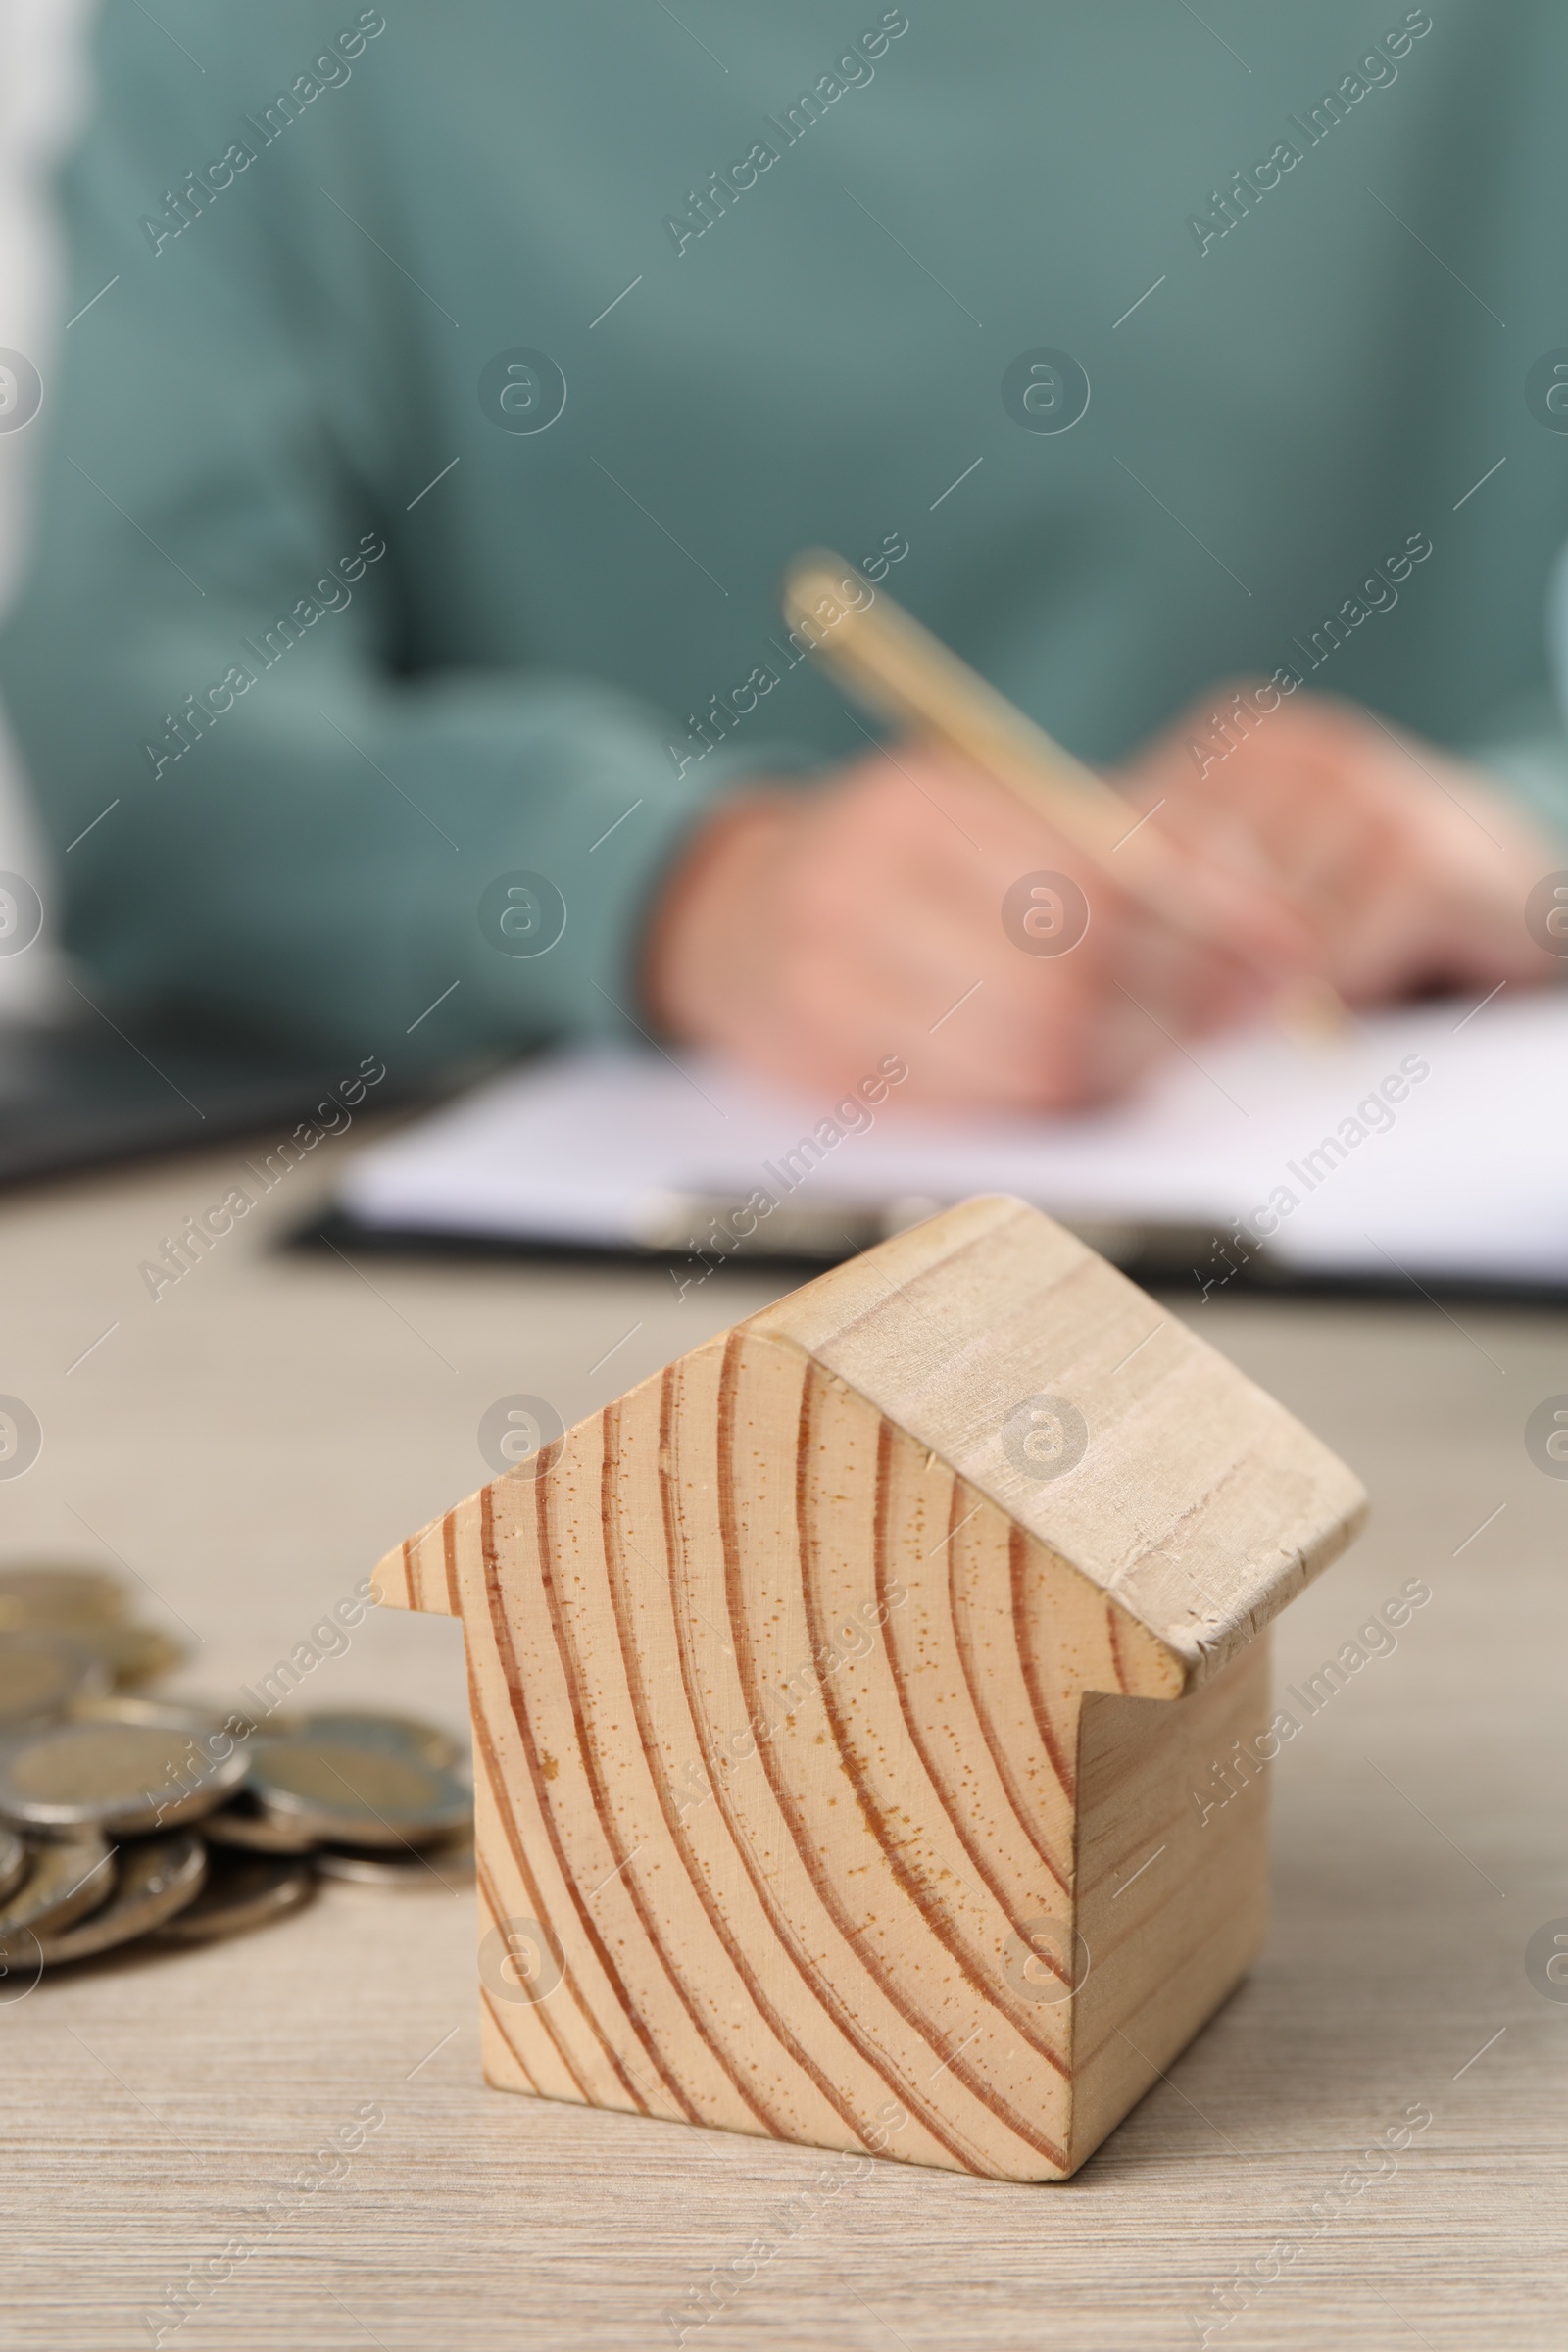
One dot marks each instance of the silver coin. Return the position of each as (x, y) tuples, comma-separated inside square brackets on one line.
[(356, 1796), (131, 1653), (62, 1881), (241, 1892), (14, 1858), (158, 1876), (248, 1826), (205, 1715), (113, 1776), (121, 1706), (42, 1677), (402, 1735), (57, 1598), (420, 1866), (277, 1724)]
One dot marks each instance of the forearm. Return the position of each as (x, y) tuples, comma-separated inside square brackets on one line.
[(283, 840)]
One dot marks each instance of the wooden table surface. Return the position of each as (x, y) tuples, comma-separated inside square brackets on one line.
[(253, 1440)]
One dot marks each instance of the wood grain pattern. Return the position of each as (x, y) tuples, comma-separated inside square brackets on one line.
[(786, 1791)]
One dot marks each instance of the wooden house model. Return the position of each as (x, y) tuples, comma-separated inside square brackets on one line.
[(841, 1697)]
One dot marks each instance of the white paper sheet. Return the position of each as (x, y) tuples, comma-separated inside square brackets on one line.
[(1430, 1142)]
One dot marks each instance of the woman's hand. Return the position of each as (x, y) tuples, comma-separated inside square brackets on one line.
[(809, 933), (1411, 868)]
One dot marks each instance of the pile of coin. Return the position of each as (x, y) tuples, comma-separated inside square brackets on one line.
[(125, 1819)]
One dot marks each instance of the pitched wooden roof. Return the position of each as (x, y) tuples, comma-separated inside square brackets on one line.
[(1153, 1465)]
